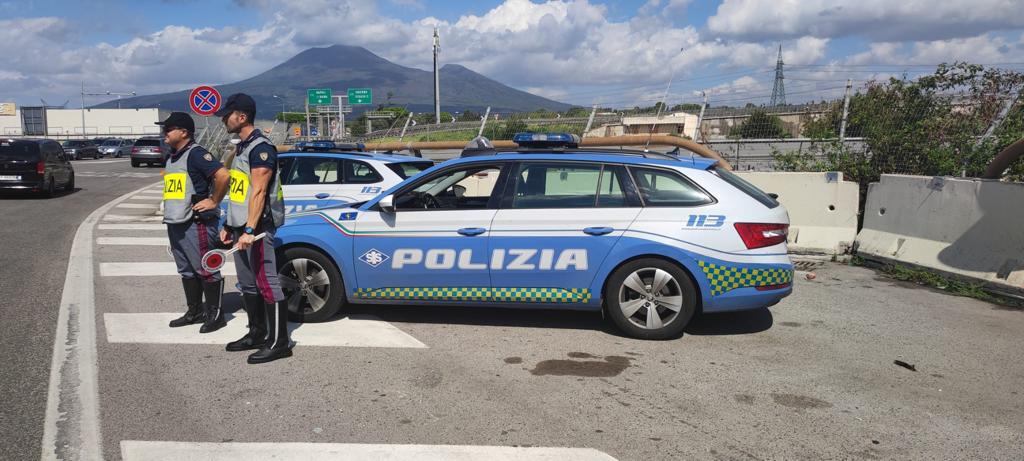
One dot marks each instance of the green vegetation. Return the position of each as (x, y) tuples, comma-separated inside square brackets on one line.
[(760, 125), (929, 126), (931, 279)]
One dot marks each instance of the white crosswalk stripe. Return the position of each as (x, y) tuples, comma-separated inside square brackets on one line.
[(146, 227), (135, 450), (150, 269), (356, 331), (144, 241), (131, 218), (138, 206)]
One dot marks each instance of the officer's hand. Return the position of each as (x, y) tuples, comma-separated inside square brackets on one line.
[(206, 204), (245, 241), (225, 236)]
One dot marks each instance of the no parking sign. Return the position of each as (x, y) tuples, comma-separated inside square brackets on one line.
[(204, 100)]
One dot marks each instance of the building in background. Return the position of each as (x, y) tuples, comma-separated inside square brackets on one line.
[(67, 123)]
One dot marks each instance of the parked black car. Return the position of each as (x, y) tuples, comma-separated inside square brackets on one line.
[(151, 151), (78, 149), (37, 165)]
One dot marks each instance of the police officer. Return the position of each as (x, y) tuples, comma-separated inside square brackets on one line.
[(255, 206), (194, 184)]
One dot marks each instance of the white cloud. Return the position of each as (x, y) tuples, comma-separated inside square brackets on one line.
[(880, 19), (983, 49)]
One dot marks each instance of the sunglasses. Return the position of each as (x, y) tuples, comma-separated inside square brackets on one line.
[(168, 129)]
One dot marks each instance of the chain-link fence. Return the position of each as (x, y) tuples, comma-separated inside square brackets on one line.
[(952, 122)]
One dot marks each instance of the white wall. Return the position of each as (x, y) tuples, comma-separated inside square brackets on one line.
[(68, 122)]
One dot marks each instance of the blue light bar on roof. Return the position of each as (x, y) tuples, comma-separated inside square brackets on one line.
[(328, 145), (546, 140)]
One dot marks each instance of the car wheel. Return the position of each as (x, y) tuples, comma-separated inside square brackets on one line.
[(312, 285), (51, 188), (70, 186), (650, 299), (135, 164)]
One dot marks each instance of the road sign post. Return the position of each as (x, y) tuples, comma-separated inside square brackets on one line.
[(204, 100), (360, 96)]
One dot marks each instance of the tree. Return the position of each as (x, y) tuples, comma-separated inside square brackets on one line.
[(290, 117), (760, 125), (685, 106), (469, 116)]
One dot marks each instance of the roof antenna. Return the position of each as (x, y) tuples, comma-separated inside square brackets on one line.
[(671, 76)]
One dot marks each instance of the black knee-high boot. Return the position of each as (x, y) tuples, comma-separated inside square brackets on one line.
[(194, 299), (278, 345), (257, 335), (213, 292)]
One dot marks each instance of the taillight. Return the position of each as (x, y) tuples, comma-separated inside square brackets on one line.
[(135, 149), (760, 235), (41, 168)]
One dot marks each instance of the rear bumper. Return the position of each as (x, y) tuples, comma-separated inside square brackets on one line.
[(749, 298), (148, 157), (32, 184)]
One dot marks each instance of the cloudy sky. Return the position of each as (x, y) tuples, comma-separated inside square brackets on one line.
[(613, 53)]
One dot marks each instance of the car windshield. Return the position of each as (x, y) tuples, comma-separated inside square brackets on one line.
[(112, 143), (407, 170)]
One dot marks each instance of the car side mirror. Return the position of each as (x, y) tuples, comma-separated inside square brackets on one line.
[(387, 204)]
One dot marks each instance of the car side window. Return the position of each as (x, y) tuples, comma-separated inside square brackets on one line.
[(312, 170), (668, 189), (560, 185), (466, 188), (52, 152), (357, 172)]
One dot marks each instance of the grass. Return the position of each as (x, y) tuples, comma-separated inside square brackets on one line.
[(923, 277)]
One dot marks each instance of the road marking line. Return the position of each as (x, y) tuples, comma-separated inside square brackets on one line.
[(157, 197), (132, 218), (150, 269), (354, 331), (148, 241), (134, 450), (161, 227), (141, 206), (71, 428)]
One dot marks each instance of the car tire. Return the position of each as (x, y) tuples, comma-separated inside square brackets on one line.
[(135, 164), (642, 312), (305, 301), (70, 186), (51, 188)]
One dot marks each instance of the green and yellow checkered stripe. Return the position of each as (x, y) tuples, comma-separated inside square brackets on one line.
[(524, 295), (725, 278)]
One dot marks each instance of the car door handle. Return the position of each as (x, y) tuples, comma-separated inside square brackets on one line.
[(471, 231), (322, 195), (598, 230)]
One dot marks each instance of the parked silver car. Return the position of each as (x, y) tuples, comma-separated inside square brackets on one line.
[(151, 151), (116, 147)]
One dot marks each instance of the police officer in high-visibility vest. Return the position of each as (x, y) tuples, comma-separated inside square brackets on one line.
[(255, 206), (194, 185)]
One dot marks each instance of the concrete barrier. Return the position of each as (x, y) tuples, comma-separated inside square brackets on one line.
[(822, 208), (967, 227)]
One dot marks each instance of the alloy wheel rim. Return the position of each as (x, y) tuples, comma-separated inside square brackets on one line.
[(650, 298), (305, 284)]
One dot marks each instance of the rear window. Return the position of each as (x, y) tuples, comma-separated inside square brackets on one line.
[(746, 187), (147, 142), (407, 170), (112, 142), (75, 143), (19, 151)]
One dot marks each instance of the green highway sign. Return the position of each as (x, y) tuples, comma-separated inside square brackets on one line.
[(319, 96), (360, 96)]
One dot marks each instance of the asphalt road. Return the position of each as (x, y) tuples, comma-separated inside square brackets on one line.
[(813, 378), (37, 235)]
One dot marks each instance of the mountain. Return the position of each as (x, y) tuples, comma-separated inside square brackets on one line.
[(340, 67)]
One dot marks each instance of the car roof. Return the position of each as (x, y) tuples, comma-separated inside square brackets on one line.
[(379, 156), (692, 161)]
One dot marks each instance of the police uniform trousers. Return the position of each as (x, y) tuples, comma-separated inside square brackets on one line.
[(190, 240)]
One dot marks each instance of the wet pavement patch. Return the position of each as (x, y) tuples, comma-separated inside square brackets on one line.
[(744, 398), (790, 324), (513, 360), (799, 401), (582, 355), (610, 366)]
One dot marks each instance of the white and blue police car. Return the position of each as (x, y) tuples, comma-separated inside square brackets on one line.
[(651, 238), (317, 174)]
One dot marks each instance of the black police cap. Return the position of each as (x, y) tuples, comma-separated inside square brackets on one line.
[(238, 101), (179, 120)]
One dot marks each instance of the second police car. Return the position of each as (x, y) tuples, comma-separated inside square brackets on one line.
[(653, 239), (319, 174)]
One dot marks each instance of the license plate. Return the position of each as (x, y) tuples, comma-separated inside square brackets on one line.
[(9, 178)]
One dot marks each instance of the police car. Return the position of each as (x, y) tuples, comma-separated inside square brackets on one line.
[(651, 238), (317, 174)]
